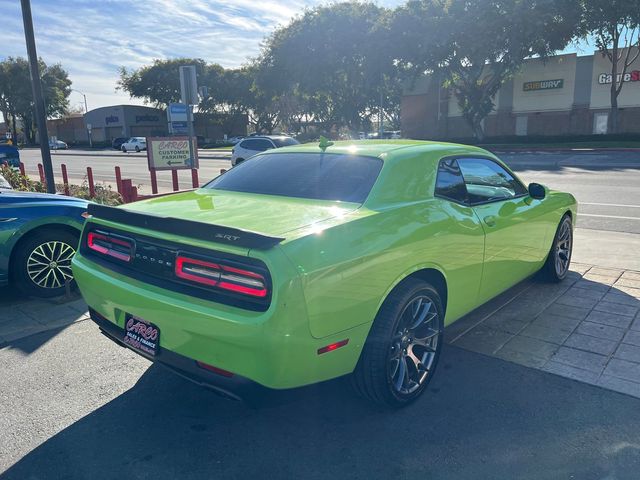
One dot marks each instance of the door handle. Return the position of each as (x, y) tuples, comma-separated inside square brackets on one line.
[(490, 221)]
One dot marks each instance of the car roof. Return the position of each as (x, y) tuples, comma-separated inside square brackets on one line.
[(387, 149), (270, 137)]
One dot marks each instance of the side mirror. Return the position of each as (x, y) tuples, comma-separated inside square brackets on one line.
[(537, 191)]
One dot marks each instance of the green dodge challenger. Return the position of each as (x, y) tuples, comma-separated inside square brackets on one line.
[(311, 262)]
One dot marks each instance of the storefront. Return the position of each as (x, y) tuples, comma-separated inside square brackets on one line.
[(108, 123), (561, 95)]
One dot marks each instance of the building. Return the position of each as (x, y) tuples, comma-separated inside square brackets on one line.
[(70, 129), (108, 123), (562, 95)]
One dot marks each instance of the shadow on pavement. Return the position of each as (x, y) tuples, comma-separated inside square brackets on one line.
[(482, 418), (21, 316)]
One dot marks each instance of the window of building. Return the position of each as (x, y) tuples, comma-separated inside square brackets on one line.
[(600, 123), (521, 125)]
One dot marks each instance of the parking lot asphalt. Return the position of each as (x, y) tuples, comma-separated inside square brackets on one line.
[(76, 406)]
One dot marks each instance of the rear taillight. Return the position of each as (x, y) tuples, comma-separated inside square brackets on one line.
[(110, 246), (226, 277)]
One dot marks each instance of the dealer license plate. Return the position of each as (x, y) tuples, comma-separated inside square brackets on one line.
[(141, 335)]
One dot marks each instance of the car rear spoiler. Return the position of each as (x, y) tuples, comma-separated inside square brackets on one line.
[(185, 228)]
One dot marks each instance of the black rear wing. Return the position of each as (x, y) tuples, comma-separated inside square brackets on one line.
[(185, 228)]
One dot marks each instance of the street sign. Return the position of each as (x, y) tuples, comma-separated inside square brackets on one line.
[(189, 85), (177, 112), (179, 128), (170, 153)]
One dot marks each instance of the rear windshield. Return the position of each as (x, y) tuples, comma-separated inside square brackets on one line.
[(329, 176)]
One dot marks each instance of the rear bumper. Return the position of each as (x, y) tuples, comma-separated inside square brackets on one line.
[(234, 386), (274, 349)]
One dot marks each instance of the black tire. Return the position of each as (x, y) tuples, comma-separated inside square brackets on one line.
[(556, 267), (377, 375), (27, 260), (124, 149), (239, 161), (137, 149)]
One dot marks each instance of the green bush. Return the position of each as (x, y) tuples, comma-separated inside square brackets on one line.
[(21, 182)]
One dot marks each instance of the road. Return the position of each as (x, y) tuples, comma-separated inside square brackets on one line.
[(76, 406), (605, 183), (133, 165)]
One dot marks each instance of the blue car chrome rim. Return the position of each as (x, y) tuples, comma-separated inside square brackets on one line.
[(49, 265), (414, 345)]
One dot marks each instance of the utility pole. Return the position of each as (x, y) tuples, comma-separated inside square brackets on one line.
[(189, 95), (36, 86), (86, 110)]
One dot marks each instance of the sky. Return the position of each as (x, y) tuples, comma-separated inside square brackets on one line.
[(93, 38)]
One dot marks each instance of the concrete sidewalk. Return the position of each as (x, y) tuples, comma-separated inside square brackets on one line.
[(606, 248), (586, 328)]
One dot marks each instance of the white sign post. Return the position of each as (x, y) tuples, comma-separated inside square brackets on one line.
[(189, 94), (89, 133)]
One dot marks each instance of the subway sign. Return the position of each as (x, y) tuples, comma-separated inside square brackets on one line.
[(543, 85), (605, 78)]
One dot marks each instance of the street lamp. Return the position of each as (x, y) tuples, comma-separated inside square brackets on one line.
[(85, 99), (86, 110)]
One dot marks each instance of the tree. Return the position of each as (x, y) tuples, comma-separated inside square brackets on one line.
[(158, 83), (16, 97), (330, 53), (615, 25), (475, 45)]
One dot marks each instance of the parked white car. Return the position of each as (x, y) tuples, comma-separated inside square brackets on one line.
[(235, 140), (134, 144), (249, 146), (57, 145)]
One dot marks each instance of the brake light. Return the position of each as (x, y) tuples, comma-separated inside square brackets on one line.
[(110, 246), (221, 276)]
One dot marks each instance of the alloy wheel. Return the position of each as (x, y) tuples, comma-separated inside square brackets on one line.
[(563, 249), (414, 345), (49, 264)]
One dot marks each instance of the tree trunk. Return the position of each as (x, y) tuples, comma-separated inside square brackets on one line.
[(613, 114), (478, 130)]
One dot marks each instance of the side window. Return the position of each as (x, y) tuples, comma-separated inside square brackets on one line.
[(249, 144), (449, 182), (262, 145), (486, 181)]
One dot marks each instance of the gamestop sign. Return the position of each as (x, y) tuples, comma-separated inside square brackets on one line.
[(605, 78), (171, 153)]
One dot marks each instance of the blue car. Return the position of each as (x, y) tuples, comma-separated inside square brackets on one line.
[(10, 155), (39, 235)]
